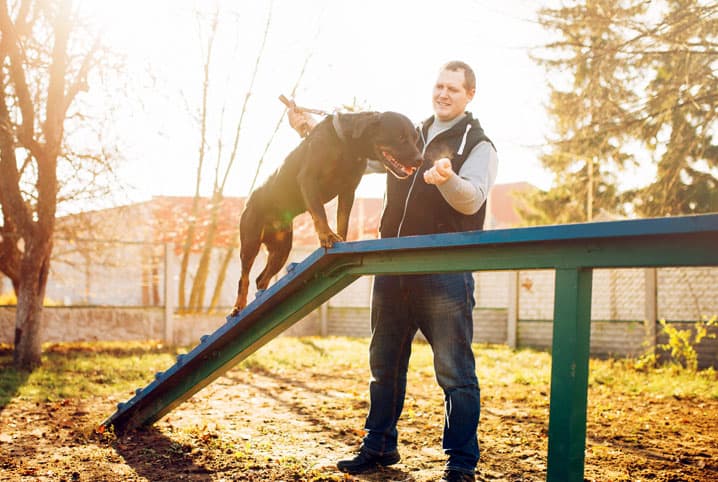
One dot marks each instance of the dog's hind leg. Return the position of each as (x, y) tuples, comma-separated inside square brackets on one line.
[(279, 244), (250, 241)]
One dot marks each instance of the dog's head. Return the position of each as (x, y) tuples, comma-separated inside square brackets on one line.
[(388, 137)]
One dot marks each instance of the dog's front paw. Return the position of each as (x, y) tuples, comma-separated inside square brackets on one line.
[(327, 240)]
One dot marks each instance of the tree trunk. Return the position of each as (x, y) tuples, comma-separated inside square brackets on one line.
[(186, 252), (199, 286), (28, 317), (189, 240), (221, 276)]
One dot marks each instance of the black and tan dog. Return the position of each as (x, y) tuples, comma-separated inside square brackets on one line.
[(328, 163)]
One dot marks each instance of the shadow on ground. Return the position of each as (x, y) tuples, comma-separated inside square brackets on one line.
[(151, 453)]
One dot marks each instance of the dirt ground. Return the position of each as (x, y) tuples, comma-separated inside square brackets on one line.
[(294, 423)]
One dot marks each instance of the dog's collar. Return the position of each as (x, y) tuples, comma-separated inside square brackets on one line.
[(338, 128)]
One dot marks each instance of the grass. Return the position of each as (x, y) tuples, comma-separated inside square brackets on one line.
[(78, 370), (287, 411), (669, 380)]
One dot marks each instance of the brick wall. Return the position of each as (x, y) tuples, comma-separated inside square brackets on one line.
[(69, 324), (90, 324), (608, 338)]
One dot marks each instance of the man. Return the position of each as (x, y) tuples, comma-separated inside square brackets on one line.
[(447, 194)]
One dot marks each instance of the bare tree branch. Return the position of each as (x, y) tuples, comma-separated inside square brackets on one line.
[(260, 54), (11, 44)]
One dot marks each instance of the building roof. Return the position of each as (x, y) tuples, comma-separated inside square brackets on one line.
[(503, 205), (169, 219)]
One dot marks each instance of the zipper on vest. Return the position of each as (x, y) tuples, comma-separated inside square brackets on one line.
[(411, 188), (463, 139)]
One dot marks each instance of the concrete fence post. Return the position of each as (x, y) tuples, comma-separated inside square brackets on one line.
[(324, 319), (651, 308), (512, 316), (169, 298)]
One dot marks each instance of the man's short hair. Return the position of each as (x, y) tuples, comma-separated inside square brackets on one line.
[(469, 75)]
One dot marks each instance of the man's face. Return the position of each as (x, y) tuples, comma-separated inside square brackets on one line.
[(450, 95)]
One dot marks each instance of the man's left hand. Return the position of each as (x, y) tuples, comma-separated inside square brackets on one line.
[(439, 173), (300, 121)]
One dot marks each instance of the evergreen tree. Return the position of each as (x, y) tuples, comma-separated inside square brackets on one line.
[(681, 111), (628, 74)]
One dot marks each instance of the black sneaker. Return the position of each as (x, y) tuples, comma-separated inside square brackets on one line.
[(456, 476), (365, 462)]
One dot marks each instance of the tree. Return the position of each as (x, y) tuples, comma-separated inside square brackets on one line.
[(221, 174), (228, 255), (46, 60), (224, 163), (681, 111), (192, 224), (629, 75)]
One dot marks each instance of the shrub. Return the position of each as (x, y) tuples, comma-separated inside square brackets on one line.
[(682, 343)]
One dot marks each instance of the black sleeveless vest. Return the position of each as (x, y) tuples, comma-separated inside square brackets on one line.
[(414, 207)]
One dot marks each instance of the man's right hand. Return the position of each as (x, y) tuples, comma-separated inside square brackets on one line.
[(439, 173)]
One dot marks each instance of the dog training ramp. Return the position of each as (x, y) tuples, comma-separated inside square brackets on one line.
[(679, 241)]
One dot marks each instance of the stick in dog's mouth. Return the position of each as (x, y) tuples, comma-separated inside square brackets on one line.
[(397, 169)]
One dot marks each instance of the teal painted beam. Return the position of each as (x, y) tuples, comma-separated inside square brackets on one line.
[(586, 232), (634, 252), (569, 375)]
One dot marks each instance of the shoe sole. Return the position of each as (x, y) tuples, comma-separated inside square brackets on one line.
[(369, 468)]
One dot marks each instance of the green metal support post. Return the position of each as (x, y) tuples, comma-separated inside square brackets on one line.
[(569, 374)]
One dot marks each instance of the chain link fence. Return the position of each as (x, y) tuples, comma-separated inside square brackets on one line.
[(134, 275)]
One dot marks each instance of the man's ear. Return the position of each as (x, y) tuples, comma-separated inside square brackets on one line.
[(356, 125), (471, 94)]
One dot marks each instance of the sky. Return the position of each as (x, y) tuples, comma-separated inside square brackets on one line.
[(382, 55)]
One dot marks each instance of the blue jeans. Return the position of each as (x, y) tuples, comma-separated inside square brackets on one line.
[(440, 305)]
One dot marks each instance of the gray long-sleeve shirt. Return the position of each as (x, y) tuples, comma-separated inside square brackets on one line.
[(467, 190)]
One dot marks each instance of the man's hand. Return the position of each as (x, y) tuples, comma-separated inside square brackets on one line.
[(300, 121), (439, 173)]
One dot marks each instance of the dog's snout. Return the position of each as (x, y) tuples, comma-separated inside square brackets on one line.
[(418, 161)]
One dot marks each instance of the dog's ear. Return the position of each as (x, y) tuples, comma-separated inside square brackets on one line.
[(355, 125)]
